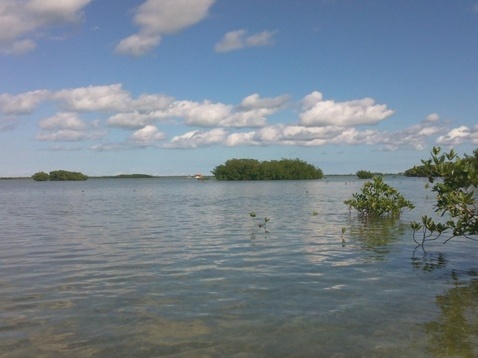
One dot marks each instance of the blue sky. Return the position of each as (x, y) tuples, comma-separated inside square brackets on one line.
[(175, 87)]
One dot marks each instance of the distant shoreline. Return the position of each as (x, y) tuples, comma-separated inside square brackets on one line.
[(147, 176)]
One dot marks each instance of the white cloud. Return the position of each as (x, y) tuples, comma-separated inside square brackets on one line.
[(111, 98), (455, 136), (67, 127), (24, 103), (432, 117), (226, 122), (93, 98), (205, 114), (251, 112), (130, 120), (69, 135), (319, 112), (236, 40), (63, 120), (147, 135), (197, 138), (21, 20), (138, 45), (156, 18)]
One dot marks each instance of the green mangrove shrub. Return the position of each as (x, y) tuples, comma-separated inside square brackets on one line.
[(41, 176), (377, 199), (59, 175), (454, 180), (364, 174), (252, 169)]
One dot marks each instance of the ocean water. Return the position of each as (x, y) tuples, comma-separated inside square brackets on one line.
[(177, 268)]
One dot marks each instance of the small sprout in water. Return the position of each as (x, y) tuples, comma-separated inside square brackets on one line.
[(315, 213), (261, 224), (343, 230)]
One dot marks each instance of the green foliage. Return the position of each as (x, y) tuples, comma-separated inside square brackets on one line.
[(454, 180), (41, 176), (364, 174), (378, 199), (63, 175), (252, 169)]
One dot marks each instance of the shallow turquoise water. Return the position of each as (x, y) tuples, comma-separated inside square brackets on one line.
[(176, 267)]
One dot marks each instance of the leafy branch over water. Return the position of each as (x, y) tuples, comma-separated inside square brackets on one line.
[(454, 180)]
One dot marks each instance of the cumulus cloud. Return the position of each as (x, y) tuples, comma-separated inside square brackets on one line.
[(21, 21), (194, 139), (253, 111), (432, 117), (205, 114), (69, 135), (320, 112), (24, 103), (320, 122), (157, 18), (111, 98), (63, 120), (455, 136), (147, 135), (93, 98), (67, 127), (238, 39)]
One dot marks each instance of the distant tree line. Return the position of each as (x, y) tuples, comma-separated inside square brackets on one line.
[(365, 174), (252, 169), (59, 175), (127, 176)]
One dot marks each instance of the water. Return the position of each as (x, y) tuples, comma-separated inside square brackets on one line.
[(176, 267)]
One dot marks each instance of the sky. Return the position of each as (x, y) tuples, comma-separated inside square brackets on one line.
[(177, 87)]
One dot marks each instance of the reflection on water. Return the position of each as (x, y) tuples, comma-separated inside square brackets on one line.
[(455, 332), (160, 267)]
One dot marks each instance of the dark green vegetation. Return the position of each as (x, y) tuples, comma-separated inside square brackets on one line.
[(41, 176), (252, 169), (378, 199), (453, 179), (422, 170), (129, 176), (364, 174), (59, 175)]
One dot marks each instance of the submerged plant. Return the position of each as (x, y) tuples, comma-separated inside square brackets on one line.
[(261, 224)]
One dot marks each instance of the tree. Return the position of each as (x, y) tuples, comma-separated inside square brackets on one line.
[(377, 199), (454, 180), (41, 176), (252, 169), (63, 175), (364, 174)]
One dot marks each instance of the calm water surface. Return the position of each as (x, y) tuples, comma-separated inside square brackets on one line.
[(176, 267)]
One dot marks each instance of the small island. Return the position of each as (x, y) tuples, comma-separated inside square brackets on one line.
[(252, 169), (59, 175), (127, 176)]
